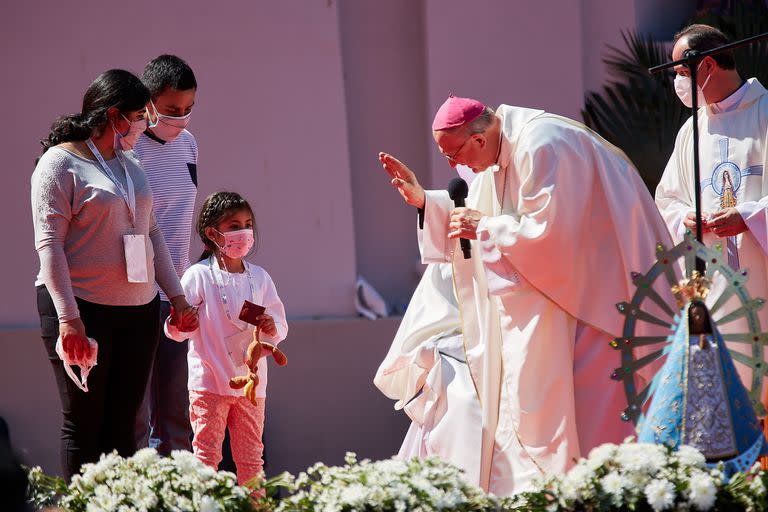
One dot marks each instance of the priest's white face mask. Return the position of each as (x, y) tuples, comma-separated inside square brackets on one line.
[(683, 89)]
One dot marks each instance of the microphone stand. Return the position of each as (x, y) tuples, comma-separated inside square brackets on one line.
[(691, 59)]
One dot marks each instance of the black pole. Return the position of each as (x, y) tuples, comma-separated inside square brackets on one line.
[(694, 59), (691, 59)]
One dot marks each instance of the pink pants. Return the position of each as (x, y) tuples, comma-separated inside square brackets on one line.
[(211, 414)]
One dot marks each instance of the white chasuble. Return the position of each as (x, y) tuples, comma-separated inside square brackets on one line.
[(567, 219)]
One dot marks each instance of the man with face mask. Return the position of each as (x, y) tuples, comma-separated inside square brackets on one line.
[(168, 153), (733, 152), (547, 217)]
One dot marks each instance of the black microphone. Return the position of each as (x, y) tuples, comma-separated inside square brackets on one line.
[(458, 190)]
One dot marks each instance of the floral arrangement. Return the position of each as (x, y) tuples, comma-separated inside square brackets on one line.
[(626, 477), (636, 476), (146, 482), (394, 485)]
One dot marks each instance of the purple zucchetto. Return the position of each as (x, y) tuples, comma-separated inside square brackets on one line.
[(456, 112)]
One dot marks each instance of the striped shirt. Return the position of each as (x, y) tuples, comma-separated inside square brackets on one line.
[(171, 169)]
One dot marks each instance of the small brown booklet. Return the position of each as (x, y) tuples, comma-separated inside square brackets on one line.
[(251, 312)]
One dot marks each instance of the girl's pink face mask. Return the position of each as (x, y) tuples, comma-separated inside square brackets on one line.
[(237, 244)]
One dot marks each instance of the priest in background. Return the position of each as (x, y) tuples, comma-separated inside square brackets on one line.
[(733, 152), (557, 218)]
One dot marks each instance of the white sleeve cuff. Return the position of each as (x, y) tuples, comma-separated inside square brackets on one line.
[(434, 244)]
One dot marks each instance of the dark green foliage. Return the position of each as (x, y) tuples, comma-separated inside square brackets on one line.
[(640, 113)]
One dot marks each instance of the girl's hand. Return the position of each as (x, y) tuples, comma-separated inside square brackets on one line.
[(73, 339), (183, 315), (267, 325)]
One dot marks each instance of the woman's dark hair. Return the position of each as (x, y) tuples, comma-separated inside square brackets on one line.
[(114, 88), (217, 207), (168, 71)]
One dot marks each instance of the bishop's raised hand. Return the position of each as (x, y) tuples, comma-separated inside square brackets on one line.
[(403, 179)]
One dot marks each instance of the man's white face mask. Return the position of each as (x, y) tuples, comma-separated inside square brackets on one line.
[(85, 364), (683, 89)]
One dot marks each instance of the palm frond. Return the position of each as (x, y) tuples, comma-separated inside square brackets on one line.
[(640, 113)]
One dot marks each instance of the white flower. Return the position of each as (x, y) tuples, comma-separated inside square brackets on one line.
[(637, 479), (145, 498), (600, 455), (580, 475), (630, 457), (449, 500), (647, 458), (569, 491), (660, 494), (95, 473), (614, 484), (757, 486), (145, 456), (186, 462), (690, 456), (354, 495), (396, 466), (702, 491)]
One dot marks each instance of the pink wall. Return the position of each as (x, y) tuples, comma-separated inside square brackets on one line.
[(270, 120), (296, 97), (539, 54), (385, 87)]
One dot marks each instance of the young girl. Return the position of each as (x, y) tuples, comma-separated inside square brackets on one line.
[(218, 285)]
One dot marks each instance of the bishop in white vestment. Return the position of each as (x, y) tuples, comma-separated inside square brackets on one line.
[(558, 219)]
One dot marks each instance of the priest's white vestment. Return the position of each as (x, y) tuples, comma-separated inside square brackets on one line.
[(733, 155), (567, 219)]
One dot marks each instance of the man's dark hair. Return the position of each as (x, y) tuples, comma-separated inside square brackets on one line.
[(168, 71), (704, 37)]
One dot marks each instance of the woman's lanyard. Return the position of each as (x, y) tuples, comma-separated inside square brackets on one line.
[(129, 196), (223, 291)]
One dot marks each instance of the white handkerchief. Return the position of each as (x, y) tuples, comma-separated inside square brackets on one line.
[(85, 364)]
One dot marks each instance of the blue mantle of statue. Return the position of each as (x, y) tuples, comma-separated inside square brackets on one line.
[(699, 400)]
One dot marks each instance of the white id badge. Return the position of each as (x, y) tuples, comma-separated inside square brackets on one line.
[(237, 346), (136, 258)]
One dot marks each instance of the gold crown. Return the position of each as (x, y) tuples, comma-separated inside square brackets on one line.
[(691, 288)]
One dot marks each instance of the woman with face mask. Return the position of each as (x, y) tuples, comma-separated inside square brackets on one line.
[(101, 253)]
